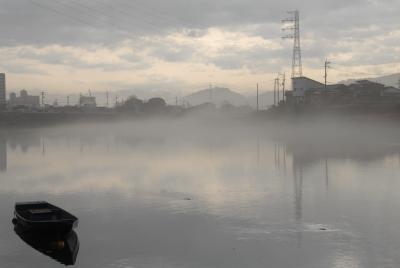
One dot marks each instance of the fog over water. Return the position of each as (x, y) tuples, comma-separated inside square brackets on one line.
[(192, 192)]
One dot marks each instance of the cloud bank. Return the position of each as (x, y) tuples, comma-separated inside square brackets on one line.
[(70, 46)]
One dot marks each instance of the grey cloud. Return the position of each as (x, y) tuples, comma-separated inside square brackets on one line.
[(21, 69), (111, 67), (257, 59), (61, 57), (173, 54), (49, 57), (334, 26), (106, 21)]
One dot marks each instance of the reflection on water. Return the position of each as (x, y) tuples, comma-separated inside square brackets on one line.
[(60, 247), (3, 155), (178, 196)]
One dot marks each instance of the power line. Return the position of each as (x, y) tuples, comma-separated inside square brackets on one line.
[(94, 13), (77, 20), (119, 22), (153, 12), (128, 17), (352, 73), (355, 73), (121, 11), (80, 10)]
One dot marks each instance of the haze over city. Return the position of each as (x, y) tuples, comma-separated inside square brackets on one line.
[(67, 47)]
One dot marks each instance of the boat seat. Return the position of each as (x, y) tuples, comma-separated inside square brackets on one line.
[(43, 214)]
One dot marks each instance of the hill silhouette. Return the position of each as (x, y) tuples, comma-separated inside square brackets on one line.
[(387, 80), (216, 95)]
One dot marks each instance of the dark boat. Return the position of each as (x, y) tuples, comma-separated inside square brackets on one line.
[(43, 217), (62, 248)]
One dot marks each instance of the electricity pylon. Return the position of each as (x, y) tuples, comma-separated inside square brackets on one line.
[(293, 24)]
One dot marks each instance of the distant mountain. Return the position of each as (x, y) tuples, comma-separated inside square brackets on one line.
[(387, 80), (265, 100), (145, 94), (217, 96)]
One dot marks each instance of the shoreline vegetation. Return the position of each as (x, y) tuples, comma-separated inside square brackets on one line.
[(205, 111), (362, 101)]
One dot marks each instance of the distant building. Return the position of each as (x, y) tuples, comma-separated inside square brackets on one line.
[(363, 93), (2, 91), (25, 100), (306, 90), (391, 92), (87, 101), (303, 84)]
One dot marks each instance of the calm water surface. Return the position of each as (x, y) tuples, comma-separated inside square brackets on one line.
[(171, 195)]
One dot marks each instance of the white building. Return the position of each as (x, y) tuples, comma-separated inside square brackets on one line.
[(303, 84), (87, 101), (24, 99)]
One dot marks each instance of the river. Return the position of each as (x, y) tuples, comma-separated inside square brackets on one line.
[(184, 194)]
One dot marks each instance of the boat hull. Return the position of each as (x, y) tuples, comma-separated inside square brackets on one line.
[(64, 222)]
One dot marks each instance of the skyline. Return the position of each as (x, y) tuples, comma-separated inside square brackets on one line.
[(67, 47)]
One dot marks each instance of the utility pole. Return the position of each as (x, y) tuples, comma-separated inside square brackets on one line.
[(257, 99), (116, 101), (293, 24), (327, 65), (211, 93), (43, 98), (107, 98), (176, 101), (274, 92), (67, 100), (278, 87), (283, 85)]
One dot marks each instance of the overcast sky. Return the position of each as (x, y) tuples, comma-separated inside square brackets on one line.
[(183, 45)]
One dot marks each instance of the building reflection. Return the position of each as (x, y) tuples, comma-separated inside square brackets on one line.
[(63, 248), (3, 154), (298, 164), (326, 174), (24, 141), (281, 158), (298, 188)]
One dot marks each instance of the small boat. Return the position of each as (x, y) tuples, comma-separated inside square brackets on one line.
[(63, 248), (43, 217)]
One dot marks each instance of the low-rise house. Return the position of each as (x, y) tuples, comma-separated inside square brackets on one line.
[(302, 85), (308, 92)]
